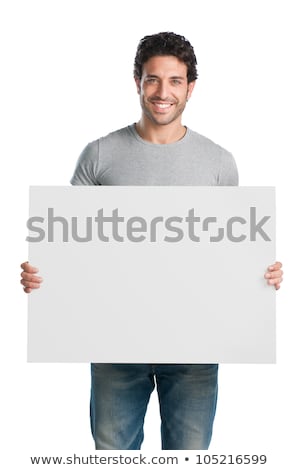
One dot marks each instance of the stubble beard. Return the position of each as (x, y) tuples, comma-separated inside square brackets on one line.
[(160, 119)]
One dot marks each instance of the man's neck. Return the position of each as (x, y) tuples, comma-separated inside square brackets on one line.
[(159, 134)]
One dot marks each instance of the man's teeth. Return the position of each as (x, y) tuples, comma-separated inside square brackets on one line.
[(163, 106)]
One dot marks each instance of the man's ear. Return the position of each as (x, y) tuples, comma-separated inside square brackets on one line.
[(138, 84), (191, 86)]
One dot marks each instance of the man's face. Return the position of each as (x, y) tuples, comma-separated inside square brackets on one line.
[(164, 89)]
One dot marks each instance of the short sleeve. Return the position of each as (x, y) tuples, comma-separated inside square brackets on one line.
[(228, 175), (87, 167)]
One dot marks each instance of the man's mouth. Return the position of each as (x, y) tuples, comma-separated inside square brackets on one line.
[(161, 106)]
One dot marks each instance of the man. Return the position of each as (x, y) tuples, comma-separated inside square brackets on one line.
[(157, 150)]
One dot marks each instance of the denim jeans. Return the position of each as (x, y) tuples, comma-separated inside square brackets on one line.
[(120, 394)]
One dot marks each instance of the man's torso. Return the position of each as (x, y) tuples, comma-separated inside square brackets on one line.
[(124, 158)]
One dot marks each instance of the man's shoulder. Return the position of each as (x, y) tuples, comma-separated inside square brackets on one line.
[(113, 137), (199, 139)]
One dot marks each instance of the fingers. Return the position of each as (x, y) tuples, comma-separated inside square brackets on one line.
[(275, 267), (28, 268), (27, 290), (29, 278), (274, 275), (32, 283)]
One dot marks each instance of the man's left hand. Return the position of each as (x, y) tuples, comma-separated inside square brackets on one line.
[(274, 275)]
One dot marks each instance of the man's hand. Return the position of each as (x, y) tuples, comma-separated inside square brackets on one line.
[(274, 275), (29, 279)]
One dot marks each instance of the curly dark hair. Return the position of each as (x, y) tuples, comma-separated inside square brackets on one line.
[(165, 44)]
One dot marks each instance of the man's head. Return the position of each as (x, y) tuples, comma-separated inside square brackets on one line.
[(165, 44), (165, 74)]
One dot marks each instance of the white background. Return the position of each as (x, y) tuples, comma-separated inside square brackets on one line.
[(66, 79)]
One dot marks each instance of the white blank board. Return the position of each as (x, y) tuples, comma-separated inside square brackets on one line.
[(134, 297)]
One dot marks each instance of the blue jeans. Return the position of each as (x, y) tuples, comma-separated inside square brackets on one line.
[(120, 394)]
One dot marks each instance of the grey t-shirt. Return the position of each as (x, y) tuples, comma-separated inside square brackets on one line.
[(124, 158)]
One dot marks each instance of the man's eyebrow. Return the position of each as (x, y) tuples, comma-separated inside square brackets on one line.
[(178, 77), (173, 77)]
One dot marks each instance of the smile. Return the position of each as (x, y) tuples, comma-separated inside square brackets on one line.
[(161, 107)]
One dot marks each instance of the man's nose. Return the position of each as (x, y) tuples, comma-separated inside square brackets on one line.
[(163, 90)]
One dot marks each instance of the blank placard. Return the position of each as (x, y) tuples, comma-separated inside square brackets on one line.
[(152, 274)]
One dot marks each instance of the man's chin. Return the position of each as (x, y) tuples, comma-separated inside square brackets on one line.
[(163, 120)]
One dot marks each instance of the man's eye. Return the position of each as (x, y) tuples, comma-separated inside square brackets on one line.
[(175, 81), (151, 80)]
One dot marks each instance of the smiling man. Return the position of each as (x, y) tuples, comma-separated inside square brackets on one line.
[(164, 90), (157, 150)]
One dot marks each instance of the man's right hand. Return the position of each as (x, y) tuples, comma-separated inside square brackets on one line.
[(29, 279)]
